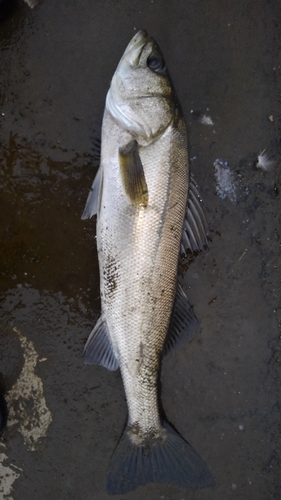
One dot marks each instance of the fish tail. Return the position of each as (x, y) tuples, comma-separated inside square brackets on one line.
[(167, 459)]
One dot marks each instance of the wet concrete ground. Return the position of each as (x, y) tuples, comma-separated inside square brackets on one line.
[(222, 392)]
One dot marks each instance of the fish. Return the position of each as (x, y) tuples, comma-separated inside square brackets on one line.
[(148, 212)]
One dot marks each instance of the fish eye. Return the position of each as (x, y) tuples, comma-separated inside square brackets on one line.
[(156, 63)]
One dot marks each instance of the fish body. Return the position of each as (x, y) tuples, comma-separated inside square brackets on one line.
[(140, 198)]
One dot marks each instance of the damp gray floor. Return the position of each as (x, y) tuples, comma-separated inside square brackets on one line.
[(221, 391)]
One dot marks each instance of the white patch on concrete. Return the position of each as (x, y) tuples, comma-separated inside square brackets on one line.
[(226, 186), (264, 162), (206, 120), (28, 411), (7, 475), (31, 3)]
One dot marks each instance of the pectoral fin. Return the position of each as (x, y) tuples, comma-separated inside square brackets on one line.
[(132, 174)]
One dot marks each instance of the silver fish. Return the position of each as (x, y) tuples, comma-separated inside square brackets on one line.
[(144, 219)]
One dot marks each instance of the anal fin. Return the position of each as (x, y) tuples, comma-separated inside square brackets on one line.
[(98, 349)]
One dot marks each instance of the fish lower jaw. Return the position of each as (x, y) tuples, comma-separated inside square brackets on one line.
[(146, 437)]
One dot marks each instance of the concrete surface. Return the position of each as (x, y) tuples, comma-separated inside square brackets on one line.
[(222, 392)]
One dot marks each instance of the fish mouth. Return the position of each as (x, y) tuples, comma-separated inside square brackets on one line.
[(138, 39), (139, 36), (135, 47)]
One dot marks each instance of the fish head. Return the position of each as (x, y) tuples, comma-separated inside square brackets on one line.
[(141, 98)]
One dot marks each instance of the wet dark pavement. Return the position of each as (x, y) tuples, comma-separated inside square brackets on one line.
[(222, 392)]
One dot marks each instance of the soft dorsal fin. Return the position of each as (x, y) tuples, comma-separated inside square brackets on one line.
[(196, 231), (183, 323), (93, 200), (98, 349), (132, 174)]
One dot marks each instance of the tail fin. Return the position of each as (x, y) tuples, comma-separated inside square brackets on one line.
[(170, 460)]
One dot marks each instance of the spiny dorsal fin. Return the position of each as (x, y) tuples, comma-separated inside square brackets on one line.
[(183, 324), (132, 174), (196, 231), (98, 349)]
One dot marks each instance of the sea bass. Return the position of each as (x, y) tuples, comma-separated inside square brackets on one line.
[(144, 220)]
